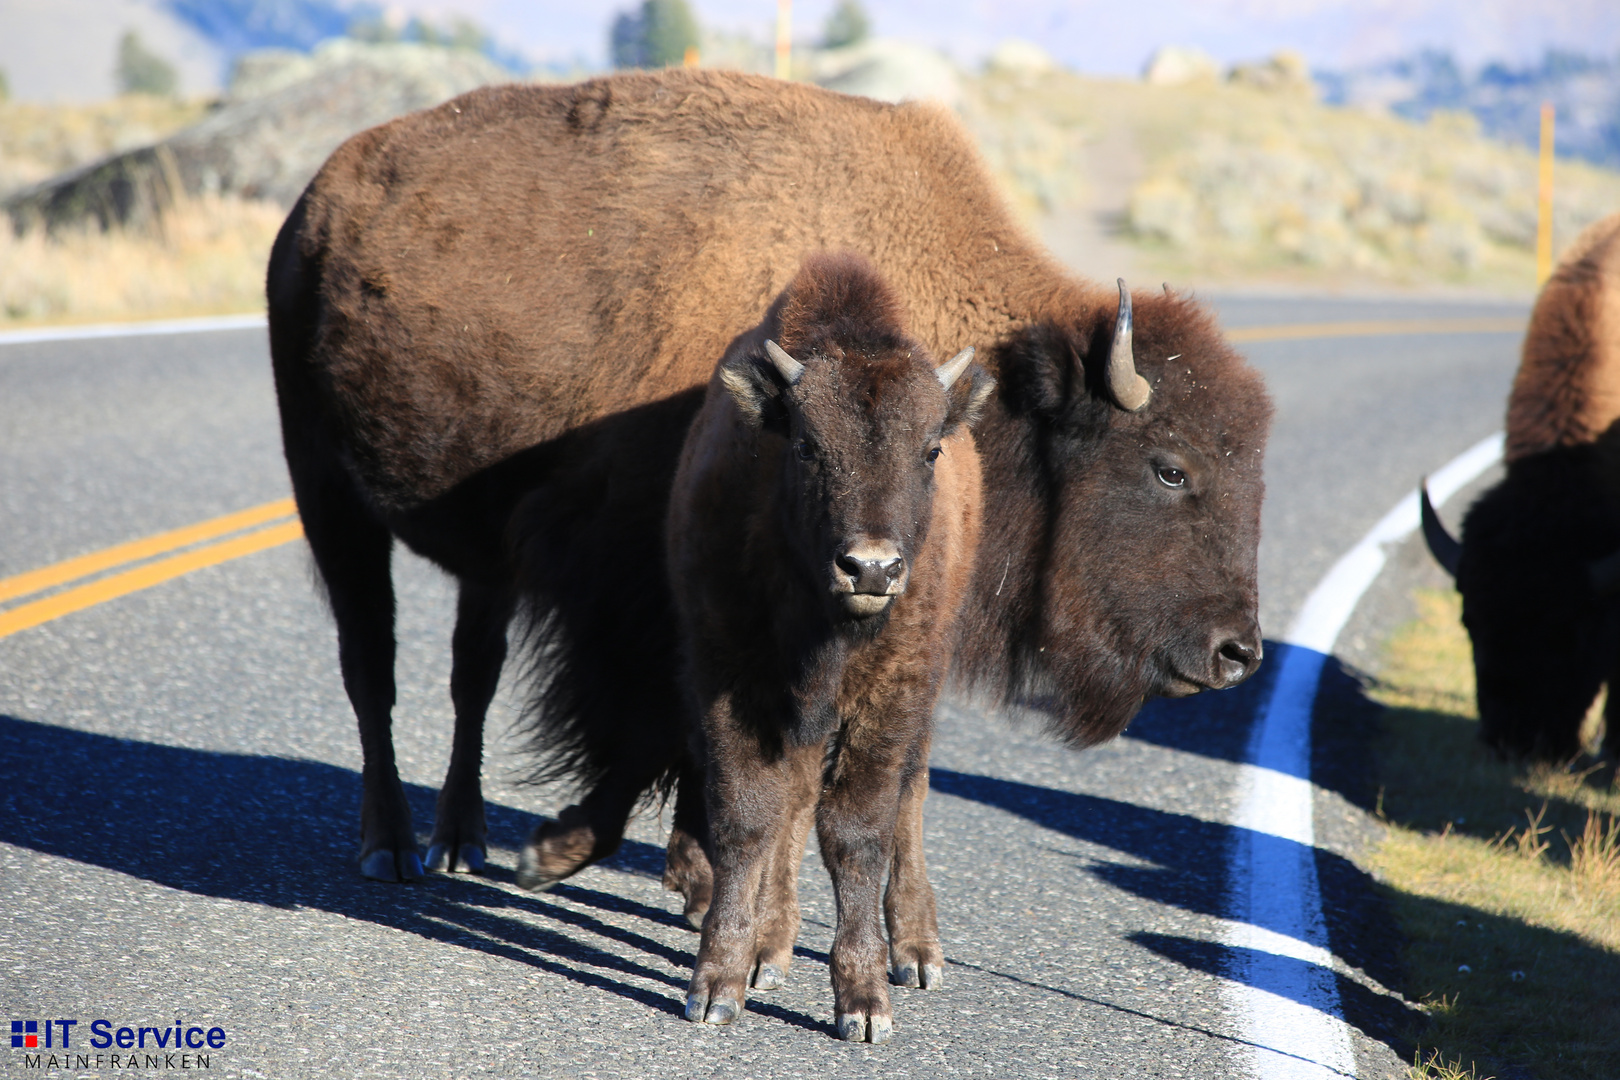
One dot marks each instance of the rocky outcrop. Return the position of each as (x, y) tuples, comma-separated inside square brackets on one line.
[(285, 114)]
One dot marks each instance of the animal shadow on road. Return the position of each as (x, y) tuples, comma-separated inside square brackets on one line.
[(263, 830), (1190, 856)]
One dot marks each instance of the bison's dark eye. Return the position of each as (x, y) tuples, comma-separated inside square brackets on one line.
[(805, 451), (1170, 476), (933, 455)]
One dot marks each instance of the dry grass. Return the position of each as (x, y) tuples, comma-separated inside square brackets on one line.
[(1434, 1067), (1505, 879), (206, 258)]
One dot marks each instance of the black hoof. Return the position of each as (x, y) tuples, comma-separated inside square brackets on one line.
[(857, 1027), (470, 857), (386, 865)]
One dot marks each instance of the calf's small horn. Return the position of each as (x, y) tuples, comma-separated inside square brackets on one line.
[(1442, 545), (790, 368), (952, 369), (1129, 389)]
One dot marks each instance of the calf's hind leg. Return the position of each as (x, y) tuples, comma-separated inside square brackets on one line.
[(478, 649)]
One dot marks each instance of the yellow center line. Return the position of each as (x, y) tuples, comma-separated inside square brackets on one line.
[(144, 577), (161, 570), (1375, 328), (61, 573)]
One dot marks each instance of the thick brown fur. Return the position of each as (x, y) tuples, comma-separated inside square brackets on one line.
[(821, 535), (1545, 637), (1567, 390), (489, 322)]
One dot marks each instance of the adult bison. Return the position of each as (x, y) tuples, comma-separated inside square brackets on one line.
[(491, 323), (1539, 561), (822, 528)]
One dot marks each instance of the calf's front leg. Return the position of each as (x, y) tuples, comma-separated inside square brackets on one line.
[(915, 955), (778, 905), (855, 823), (748, 798)]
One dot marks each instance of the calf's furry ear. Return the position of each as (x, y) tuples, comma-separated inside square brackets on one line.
[(756, 383), (967, 397)]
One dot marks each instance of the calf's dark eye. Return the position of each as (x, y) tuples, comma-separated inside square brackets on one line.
[(933, 455), (1170, 476)]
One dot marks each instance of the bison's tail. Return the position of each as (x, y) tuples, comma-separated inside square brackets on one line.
[(597, 622)]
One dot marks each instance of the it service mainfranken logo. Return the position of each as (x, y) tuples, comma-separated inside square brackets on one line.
[(49, 1045)]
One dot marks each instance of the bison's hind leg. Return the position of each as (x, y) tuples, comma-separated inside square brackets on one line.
[(686, 862), (478, 649), (352, 548), (586, 833), (352, 551)]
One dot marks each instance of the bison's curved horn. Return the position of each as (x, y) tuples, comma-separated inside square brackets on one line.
[(1442, 545), (1604, 574), (790, 368), (1129, 389), (952, 369)]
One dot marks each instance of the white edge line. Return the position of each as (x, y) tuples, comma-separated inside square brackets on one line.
[(1288, 1005), (132, 329)]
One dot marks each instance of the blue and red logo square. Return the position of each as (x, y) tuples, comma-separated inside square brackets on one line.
[(25, 1033)]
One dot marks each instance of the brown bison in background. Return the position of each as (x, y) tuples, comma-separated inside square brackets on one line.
[(491, 323), (1539, 562), (822, 528)]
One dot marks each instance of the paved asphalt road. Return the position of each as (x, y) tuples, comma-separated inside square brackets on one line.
[(179, 786)]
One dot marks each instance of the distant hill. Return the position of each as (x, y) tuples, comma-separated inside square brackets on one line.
[(1506, 100)]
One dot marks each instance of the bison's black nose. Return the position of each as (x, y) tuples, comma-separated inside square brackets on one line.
[(1236, 658), (874, 569)]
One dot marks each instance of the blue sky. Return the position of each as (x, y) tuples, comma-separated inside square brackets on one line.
[(1114, 36)]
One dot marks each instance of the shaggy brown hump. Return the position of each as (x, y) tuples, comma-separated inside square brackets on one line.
[(1567, 390)]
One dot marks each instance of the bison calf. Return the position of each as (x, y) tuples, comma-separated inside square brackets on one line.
[(821, 534)]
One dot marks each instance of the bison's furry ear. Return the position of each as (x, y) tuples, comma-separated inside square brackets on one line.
[(967, 397), (756, 386)]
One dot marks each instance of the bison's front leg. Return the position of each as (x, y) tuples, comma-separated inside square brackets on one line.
[(855, 824), (915, 956), (748, 798)]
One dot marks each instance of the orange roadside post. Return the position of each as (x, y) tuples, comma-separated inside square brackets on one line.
[(784, 39)]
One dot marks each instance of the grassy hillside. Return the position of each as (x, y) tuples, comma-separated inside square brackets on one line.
[(1220, 182)]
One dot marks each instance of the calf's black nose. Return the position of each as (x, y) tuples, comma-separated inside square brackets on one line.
[(871, 571)]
